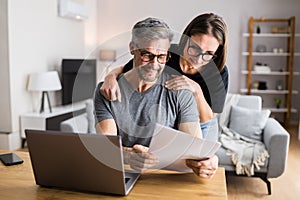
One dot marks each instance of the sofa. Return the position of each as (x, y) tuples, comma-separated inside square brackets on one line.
[(82, 123), (274, 136)]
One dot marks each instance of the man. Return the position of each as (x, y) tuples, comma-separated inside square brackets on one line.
[(145, 100)]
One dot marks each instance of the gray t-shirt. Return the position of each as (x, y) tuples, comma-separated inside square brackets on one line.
[(138, 112)]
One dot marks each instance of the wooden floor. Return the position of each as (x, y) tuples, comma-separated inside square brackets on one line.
[(286, 186)]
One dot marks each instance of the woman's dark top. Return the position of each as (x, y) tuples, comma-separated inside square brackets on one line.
[(214, 83)]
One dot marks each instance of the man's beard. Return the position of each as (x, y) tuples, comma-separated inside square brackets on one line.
[(144, 73)]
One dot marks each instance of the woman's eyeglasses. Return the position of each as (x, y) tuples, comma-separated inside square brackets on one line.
[(195, 51)]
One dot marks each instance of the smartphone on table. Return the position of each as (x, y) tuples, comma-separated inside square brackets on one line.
[(10, 159)]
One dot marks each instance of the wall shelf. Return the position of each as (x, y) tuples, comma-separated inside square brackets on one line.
[(269, 54), (286, 57), (256, 91), (245, 72), (281, 110), (270, 35), (266, 54)]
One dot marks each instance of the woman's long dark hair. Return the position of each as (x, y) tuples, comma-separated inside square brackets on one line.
[(211, 24)]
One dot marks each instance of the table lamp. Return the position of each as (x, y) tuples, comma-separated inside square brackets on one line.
[(45, 81)]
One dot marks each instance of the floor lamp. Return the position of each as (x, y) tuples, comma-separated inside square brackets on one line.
[(44, 82)]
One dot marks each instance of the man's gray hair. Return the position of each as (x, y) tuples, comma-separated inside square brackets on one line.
[(150, 29)]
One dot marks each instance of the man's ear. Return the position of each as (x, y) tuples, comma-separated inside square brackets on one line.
[(131, 47)]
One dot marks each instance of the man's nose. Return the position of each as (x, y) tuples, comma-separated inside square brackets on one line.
[(154, 63)]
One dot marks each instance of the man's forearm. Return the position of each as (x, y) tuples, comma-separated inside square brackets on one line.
[(106, 127)]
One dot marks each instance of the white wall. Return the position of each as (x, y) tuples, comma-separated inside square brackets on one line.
[(37, 41), (91, 27), (115, 20)]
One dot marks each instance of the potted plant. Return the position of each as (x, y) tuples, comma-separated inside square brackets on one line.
[(277, 102)]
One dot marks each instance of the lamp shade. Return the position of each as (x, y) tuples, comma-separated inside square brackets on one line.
[(46, 81), (107, 55)]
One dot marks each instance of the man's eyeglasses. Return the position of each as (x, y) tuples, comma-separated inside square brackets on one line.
[(195, 51), (146, 56)]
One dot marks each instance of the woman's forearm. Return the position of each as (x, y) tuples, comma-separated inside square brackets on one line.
[(115, 72), (204, 109)]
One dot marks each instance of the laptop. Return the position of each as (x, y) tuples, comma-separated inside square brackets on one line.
[(81, 162)]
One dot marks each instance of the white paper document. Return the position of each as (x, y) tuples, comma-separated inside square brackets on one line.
[(172, 147)]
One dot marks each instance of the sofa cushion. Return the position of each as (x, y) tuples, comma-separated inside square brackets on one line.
[(248, 122), (76, 124), (90, 116)]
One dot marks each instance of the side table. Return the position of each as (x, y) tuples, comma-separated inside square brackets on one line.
[(47, 120)]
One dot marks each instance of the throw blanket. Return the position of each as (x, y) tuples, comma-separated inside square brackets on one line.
[(245, 152)]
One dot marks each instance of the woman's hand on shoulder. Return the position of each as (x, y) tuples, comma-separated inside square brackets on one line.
[(110, 88), (182, 82)]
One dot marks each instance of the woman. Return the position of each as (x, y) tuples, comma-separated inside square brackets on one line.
[(200, 57)]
